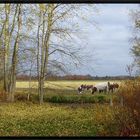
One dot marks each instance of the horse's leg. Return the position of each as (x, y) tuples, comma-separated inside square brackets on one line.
[(113, 89), (93, 90)]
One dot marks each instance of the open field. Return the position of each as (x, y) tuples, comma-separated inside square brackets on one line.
[(64, 84), (64, 112), (27, 119), (64, 91)]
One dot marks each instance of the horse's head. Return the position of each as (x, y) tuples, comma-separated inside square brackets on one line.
[(80, 89), (94, 89)]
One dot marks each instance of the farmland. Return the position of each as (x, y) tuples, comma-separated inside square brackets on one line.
[(70, 115), (63, 91), (66, 113), (64, 84)]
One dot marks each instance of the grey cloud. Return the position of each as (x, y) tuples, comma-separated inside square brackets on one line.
[(110, 44)]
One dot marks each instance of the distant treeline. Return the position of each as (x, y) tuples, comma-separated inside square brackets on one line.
[(76, 77)]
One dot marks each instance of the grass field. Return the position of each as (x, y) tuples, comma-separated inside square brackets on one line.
[(64, 112), (27, 119), (64, 91), (65, 84)]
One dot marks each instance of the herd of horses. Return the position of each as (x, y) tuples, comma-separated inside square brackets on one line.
[(100, 87)]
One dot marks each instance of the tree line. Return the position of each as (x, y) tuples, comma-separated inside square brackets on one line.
[(75, 77)]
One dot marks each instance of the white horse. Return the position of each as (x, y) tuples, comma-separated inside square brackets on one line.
[(104, 86)]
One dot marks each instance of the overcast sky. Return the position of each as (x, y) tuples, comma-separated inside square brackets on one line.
[(108, 44)]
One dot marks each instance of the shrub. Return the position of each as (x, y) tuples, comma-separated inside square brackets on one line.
[(77, 99), (130, 92)]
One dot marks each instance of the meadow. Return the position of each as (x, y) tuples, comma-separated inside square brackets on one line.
[(61, 84), (63, 91), (27, 119), (63, 113)]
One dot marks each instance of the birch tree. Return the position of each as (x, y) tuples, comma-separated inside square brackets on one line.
[(12, 83), (9, 34), (52, 22)]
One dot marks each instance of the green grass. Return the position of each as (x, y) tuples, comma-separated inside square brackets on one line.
[(27, 119), (77, 99), (66, 96), (64, 112)]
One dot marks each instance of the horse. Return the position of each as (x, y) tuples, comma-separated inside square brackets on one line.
[(110, 87), (102, 87), (84, 87), (89, 87), (116, 85), (113, 86)]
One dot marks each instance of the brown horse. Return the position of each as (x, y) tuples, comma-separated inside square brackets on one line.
[(116, 85), (112, 87), (89, 87), (84, 87)]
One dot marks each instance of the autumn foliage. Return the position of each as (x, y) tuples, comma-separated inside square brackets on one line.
[(128, 117)]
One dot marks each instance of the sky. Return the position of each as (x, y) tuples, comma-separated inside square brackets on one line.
[(108, 42)]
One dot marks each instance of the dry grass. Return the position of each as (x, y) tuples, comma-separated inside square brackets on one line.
[(59, 84)]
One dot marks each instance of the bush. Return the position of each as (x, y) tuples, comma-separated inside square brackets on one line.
[(77, 99), (130, 92)]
